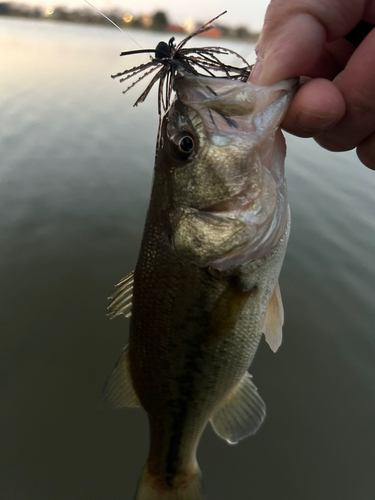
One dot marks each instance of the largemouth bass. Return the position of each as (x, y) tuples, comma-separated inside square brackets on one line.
[(205, 286)]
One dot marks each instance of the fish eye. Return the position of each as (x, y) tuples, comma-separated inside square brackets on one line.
[(183, 146), (186, 144)]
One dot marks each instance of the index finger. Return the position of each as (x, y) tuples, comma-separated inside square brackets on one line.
[(292, 42)]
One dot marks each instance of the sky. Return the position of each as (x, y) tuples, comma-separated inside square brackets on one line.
[(249, 13)]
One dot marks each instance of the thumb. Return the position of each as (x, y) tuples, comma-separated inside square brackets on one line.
[(292, 42), (290, 50)]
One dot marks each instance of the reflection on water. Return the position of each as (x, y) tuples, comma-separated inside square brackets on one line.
[(75, 174)]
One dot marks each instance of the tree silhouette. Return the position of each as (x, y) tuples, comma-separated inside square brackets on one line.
[(160, 21)]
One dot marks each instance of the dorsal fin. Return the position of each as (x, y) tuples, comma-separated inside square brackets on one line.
[(241, 413), (121, 298), (274, 320), (118, 390)]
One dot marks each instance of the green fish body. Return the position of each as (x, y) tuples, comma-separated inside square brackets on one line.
[(205, 286)]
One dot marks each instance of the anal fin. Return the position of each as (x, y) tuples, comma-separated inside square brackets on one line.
[(242, 412), (118, 390), (121, 298), (274, 320)]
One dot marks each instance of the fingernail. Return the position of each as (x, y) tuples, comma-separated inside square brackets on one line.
[(315, 123)]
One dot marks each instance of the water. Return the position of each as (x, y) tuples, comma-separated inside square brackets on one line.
[(75, 175)]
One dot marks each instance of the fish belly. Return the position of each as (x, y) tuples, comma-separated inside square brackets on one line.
[(189, 347)]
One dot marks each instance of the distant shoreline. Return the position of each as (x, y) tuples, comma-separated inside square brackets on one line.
[(95, 20)]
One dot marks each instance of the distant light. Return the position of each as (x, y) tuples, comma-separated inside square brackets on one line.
[(49, 11), (146, 21), (127, 18), (188, 25)]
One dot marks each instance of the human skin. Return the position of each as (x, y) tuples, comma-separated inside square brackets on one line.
[(336, 102)]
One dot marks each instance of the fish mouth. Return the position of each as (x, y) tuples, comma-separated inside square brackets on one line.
[(237, 202), (253, 210), (232, 107), (234, 191), (260, 212)]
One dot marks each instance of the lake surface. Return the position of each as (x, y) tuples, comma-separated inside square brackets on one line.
[(76, 164)]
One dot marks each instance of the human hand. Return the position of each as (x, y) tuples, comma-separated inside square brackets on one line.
[(336, 104)]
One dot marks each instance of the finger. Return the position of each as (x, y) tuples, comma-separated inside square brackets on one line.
[(292, 42), (369, 14), (317, 106), (340, 51), (356, 83), (366, 151)]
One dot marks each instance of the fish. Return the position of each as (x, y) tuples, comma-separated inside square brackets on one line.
[(205, 287)]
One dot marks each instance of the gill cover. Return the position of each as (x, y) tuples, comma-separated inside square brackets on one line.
[(228, 190)]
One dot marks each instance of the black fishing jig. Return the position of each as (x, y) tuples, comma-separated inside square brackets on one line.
[(169, 57)]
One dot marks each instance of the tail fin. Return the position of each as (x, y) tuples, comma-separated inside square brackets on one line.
[(181, 487)]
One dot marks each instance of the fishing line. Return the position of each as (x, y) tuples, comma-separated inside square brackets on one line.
[(114, 24)]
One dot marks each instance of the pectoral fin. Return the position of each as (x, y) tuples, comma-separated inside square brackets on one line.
[(121, 298), (274, 320), (118, 390), (242, 412)]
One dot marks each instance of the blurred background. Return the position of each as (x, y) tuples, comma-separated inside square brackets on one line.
[(244, 19), (76, 163)]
